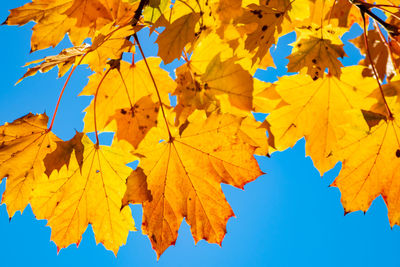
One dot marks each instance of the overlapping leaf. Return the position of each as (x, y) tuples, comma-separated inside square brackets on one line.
[(317, 49), (79, 18), (366, 173), (24, 143), (316, 109), (184, 173), (123, 87), (86, 192)]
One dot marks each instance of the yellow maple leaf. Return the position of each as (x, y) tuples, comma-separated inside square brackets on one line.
[(79, 18), (263, 23), (87, 193), (191, 94), (315, 110), (184, 172), (212, 78), (176, 36), (52, 23), (24, 143), (133, 123), (319, 49), (109, 43), (231, 79), (122, 88), (370, 166)]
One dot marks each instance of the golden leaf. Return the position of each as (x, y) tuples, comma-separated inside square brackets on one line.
[(85, 193), (317, 52), (24, 143), (124, 86), (133, 123), (316, 109), (184, 173), (175, 36), (370, 167)]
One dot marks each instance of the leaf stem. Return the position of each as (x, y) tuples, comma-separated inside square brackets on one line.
[(94, 105), (62, 92), (155, 84), (389, 112), (185, 57)]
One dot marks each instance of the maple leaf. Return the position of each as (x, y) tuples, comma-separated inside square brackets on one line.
[(122, 87), (79, 18), (231, 79), (192, 94), (268, 23), (176, 36), (109, 43), (87, 192), (226, 78), (325, 100), (64, 60), (52, 23), (209, 76), (184, 173), (365, 172), (24, 143), (317, 52)]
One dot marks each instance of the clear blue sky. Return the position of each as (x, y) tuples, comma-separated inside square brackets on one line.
[(288, 217)]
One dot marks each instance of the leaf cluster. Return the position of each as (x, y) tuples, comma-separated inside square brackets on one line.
[(209, 137)]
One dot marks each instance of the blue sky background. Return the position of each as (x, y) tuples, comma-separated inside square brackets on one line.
[(288, 217)]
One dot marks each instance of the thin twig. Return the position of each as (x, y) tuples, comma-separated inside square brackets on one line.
[(155, 85), (94, 105), (62, 92)]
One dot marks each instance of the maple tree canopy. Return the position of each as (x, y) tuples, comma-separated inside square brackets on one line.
[(185, 151)]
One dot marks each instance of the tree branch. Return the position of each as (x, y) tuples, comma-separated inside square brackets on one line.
[(365, 9), (138, 12)]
